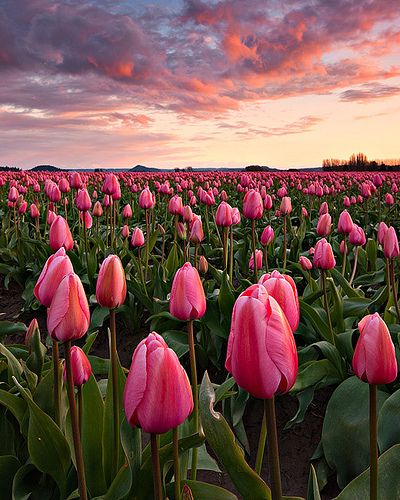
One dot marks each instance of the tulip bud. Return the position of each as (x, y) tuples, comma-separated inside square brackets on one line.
[(261, 353), (345, 224), (146, 199), (382, 228), (33, 329), (305, 263), (111, 283), (80, 365), (304, 212), (235, 216), (68, 316), (286, 205), (196, 232), (253, 205), (181, 230), (324, 225), (390, 244), (267, 236), (187, 300), (157, 394), (323, 255), (127, 212), (57, 266), (34, 211), (374, 359), (259, 259), (203, 265), (357, 236), (60, 234), (83, 201), (97, 209), (125, 231), (137, 239), (223, 215), (389, 200)]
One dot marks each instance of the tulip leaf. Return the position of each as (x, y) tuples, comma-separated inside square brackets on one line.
[(341, 280), (321, 372), (16, 405), (92, 414), (355, 306), (388, 483), (318, 320), (388, 428), (345, 435), (14, 366), (8, 468), (222, 440), (205, 491), (48, 448), (10, 328), (177, 340), (313, 489)]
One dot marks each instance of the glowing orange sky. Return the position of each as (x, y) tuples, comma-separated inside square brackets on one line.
[(201, 83)]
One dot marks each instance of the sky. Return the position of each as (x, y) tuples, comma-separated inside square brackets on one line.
[(115, 83)]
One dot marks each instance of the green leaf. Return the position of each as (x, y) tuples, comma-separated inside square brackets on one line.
[(89, 342), (48, 448), (321, 372), (98, 317), (304, 397), (14, 366), (345, 432), (177, 340), (222, 441), (341, 280), (313, 489), (388, 422), (92, 414), (388, 483), (203, 491), (9, 466), (356, 306), (317, 318), (16, 405), (10, 328)]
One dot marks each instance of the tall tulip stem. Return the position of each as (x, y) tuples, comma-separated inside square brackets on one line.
[(75, 424), (115, 398), (225, 246), (373, 444), (261, 441), (231, 255), (326, 305), (354, 266), (344, 257), (284, 242), (147, 243), (155, 458), (56, 382), (193, 371), (273, 450), (393, 280), (177, 471), (253, 242)]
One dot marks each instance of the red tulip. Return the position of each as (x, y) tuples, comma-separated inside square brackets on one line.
[(60, 234), (34, 211), (267, 236), (81, 367), (157, 395), (261, 352), (68, 316), (187, 300), (374, 359), (111, 283), (57, 266), (253, 205), (323, 255)]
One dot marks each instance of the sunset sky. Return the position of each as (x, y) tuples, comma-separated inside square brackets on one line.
[(109, 83)]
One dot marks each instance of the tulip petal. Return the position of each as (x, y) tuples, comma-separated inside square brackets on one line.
[(135, 383)]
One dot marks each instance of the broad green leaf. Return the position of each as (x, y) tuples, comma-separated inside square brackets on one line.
[(356, 306), (222, 441), (9, 466), (14, 366), (388, 422), (203, 491), (321, 372), (177, 340), (15, 404), (345, 432), (317, 318), (10, 328), (313, 489), (388, 482)]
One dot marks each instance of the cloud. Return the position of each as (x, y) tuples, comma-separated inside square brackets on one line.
[(369, 92)]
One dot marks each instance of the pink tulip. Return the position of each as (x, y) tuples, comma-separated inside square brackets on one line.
[(235, 216), (175, 206), (60, 234), (111, 283), (305, 263), (196, 231), (146, 199), (75, 180), (267, 236), (127, 212), (56, 267), (110, 185), (261, 352), (345, 223), (68, 316), (252, 205), (187, 300), (125, 231), (157, 395), (374, 359), (286, 205), (187, 214), (97, 209), (223, 216), (323, 209), (390, 244), (323, 255), (382, 228), (259, 260), (324, 225), (34, 211), (80, 365), (137, 239), (283, 289), (357, 236), (83, 201), (389, 200)]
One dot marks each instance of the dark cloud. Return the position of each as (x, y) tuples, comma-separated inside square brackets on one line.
[(369, 92)]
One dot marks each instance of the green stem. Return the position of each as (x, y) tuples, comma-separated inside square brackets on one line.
[(273, 450), (393, 280), (231, 255), (225, 247), (75, 424), (156, 467), (56, 381), (147, 243), (326, 305), (177, 471), (284, 243), (115, 392), (80, 409), (373, 444), (253, 243), (344, 257), (261, 441), (354, 266), (193, 371), (266, 259)]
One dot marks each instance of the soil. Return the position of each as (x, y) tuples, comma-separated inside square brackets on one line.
[(296, 445)]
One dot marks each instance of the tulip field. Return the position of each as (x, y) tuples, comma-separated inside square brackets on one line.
[(159, 312)]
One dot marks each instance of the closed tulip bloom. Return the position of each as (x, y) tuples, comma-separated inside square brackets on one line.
[(324, 208), (357, 236), (57, 266), (346, 201), (223, 216), (22, 208), (60, 234), (157, 395), (181, 230), (343, 247), (187, 214), (252, 205), (146, 199), (196, 232), (68, 316), (267, 202), (34, 211), (345, 223), (127, 212), (187, 300), (97, 209), (203, 265), (324, 225), (175, 206), (267, 236), (261, 353), (305, 263), (286, 205), (382, 228), (111, 283), (125, 231), (86, 218), (137, 239), (283, 289), (83, 201), (304, 212), (235, 216), (389, 200), (75, 180), (13, 194), (110, 184), (390, 244), (33, 329), (259, 259), (64, 186), (323, 255), (51, 216), (80, 365), (374, 359)]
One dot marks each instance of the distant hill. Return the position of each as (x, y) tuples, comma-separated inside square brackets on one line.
[(143, 168), (46, 168)]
